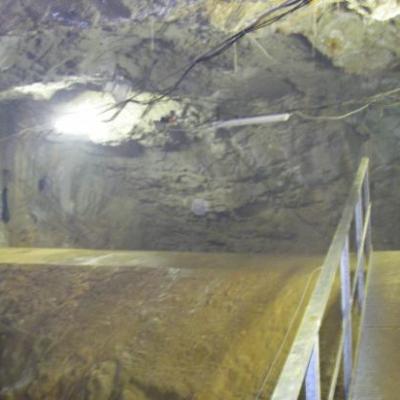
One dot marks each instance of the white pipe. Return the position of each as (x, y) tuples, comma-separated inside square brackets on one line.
[(263, 119)]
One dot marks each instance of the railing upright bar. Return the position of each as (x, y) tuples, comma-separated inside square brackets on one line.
[(361, 280), (359, 249), (313, 379), (358, 213), (335, 373), (346, 317), (361, 256), (366, 190), (296, 368)]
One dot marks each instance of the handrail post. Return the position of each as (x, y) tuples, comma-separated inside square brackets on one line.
[(346, 317), (313, 379), (302, 364), (359, 220), (359, 225), (366, 192)]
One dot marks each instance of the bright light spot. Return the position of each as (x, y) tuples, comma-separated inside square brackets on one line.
[(81, 121), (44, 91), (90, 115)]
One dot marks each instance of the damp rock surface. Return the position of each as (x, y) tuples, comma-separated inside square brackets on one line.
[(169, 180), (169, 326)]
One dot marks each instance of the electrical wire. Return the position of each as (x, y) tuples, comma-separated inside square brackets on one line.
[(212, 124), (331, 117), (265, 19), (368, 101), (375, 98)]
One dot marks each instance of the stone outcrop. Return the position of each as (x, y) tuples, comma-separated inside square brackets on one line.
[(165, 179)]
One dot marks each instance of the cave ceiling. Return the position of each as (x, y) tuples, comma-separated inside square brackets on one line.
[(164, 76), (321, 52)]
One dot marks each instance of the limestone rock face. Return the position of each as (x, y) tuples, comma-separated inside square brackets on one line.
[(160, 176), (359, 43), (263, 189), (380, 10)]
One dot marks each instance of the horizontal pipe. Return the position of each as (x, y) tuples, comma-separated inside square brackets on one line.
[(263, 119)]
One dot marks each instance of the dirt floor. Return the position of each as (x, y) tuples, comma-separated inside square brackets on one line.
[(93, 325)]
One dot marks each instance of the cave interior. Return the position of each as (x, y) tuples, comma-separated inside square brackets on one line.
[(172, 173)]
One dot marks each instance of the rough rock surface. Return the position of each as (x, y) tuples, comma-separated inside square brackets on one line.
[(178, 327), (165, 178), (169, 182), (263, 189)]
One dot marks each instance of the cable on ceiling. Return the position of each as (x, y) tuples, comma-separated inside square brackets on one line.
[(265, 19)]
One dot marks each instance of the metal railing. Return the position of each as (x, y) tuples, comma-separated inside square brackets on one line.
[(302, 366)]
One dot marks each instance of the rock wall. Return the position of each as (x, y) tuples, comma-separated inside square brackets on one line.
[(268, 188), (261, 188), (165, 327)]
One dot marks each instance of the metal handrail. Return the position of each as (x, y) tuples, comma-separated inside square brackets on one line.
[(302, 363)]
